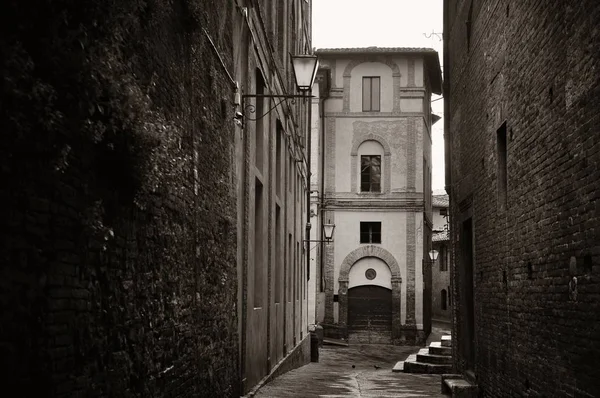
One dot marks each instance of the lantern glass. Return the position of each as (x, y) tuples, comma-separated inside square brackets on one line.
[(328, 231), (433, 255), (305, 69)]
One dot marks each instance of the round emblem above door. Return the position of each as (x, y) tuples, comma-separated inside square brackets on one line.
[(370, 274)]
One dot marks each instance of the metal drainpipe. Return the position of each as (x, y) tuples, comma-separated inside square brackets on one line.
[(321, 203), (308, 176)]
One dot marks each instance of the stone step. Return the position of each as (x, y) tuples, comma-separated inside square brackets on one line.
[(426, 357), (457, 387), (446, 341), (411, 365), (398, 367), (429, 368), (436, 348)]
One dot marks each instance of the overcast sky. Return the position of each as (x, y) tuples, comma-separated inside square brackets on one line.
[(385, 23)]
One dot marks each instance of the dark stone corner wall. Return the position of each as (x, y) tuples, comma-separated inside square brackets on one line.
[(527, 72), (117, 223)]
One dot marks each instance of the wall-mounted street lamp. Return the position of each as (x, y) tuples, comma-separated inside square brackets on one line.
[(433, 255), (327, 231), (305, 68)]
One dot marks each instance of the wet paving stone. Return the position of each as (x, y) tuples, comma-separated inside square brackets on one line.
[(333, 376)]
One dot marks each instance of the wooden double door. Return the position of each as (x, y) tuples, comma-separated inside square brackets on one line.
[(369, 315)]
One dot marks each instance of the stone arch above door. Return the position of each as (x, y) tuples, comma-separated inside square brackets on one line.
[(343, 279), (369, 251)]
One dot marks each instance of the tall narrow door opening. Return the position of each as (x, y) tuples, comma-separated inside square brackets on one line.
[(467, 335)]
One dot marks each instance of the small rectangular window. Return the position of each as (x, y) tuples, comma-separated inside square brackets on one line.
[(370, 232), (371, 89), (370, 173)]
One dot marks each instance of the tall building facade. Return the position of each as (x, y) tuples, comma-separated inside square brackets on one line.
[(522, 136), (271, 174), (371, 157)]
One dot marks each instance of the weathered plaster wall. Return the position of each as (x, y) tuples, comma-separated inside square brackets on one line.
[(347, 239), (399, 136)]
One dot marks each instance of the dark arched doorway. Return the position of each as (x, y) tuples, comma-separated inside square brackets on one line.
[(370, 315)]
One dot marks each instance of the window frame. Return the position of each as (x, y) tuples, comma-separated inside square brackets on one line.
[(371, 174), (366, 229), (371, 107)]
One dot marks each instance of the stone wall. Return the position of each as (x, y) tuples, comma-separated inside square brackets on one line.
[(528, 69), (118, 273)]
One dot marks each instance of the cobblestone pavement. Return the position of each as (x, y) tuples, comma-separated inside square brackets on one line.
[(371, 377)]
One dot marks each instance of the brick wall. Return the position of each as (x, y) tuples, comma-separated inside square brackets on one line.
[(117, 218), (534, 65)]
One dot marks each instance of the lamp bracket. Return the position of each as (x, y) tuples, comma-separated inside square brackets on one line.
[(251, 108), (318, 240)]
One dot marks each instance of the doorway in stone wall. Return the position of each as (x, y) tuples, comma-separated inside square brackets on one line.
[(369, 315), (467, 324)]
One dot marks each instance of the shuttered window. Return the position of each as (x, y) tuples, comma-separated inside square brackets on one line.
[(371, 91)]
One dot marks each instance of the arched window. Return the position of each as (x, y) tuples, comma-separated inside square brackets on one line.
[(444, 298), (370, 155)]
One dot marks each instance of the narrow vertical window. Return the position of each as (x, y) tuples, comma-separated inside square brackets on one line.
[(370, 173), (281, 29), (258, 245), (290, 171), (469, 23), (289, 267), (502, 166), (297, 282), (260, 123), (278, 256), (444, 299), (278, 158), (441, 259), (371, 94)]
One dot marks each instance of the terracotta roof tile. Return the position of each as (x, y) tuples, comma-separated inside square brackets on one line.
[(375, 49), (440, 201), (441, 236)]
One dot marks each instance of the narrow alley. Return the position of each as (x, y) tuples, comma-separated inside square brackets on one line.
[(356, 371), (300, 198)]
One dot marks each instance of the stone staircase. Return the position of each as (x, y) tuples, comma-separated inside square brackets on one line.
[(435, 359)]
